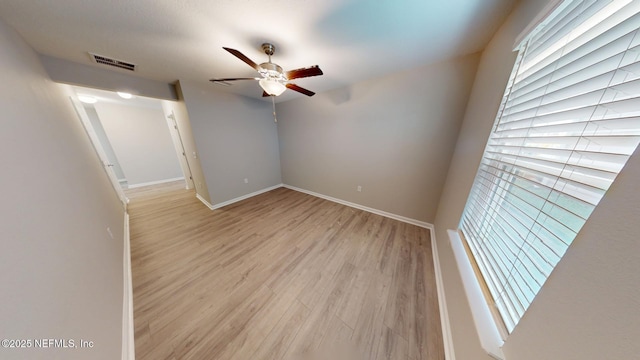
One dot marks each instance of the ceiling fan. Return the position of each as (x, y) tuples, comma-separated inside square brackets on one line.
[(274, 81)]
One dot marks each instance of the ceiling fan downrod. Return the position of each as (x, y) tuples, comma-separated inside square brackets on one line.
[(268, 49)]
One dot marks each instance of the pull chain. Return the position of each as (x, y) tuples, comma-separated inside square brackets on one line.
[(273, 101)]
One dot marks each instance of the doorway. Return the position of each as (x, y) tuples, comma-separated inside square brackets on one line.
[(139, 145)]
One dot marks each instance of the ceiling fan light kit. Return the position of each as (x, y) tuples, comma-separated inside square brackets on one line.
[(272, 87)]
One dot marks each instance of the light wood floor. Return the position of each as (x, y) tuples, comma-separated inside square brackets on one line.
[(282, 275)]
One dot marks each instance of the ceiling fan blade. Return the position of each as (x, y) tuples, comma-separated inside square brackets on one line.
[(242, 57), (232, 79), (297, 88), (303, 72)]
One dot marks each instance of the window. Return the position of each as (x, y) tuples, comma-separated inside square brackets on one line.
[(568, 122)]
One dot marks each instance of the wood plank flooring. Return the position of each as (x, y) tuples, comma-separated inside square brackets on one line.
[(282, 275)]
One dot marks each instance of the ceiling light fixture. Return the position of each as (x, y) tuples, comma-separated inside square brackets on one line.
[(274, 81), (272, 87), (125, 95), (87, 99)]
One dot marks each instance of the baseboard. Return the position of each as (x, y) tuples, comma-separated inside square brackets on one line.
[(133, 186), (128, 345), (243, 197), (447, 338), (204, 201), (407, 220), (419, 223)]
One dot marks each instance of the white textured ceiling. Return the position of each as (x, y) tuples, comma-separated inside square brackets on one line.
[(351, 40)]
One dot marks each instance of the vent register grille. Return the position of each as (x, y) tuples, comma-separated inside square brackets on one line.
[(99, 59)]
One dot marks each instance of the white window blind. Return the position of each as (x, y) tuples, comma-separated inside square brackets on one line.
[(568, 122)]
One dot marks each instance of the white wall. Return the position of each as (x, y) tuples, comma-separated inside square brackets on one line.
[(236, 139), (60, 271), (588, 307), (393, 136), (141, 140)]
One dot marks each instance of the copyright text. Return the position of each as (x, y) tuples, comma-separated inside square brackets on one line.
[(46, 343)]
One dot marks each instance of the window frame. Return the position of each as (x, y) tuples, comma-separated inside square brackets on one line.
[(484, 287)]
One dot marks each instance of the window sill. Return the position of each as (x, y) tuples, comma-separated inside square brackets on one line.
[(488, 333)]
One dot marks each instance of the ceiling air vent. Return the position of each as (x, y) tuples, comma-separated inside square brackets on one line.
[(99, 59)]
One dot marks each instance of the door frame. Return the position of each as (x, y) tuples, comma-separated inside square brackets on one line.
[(97, 146), (179, 144)]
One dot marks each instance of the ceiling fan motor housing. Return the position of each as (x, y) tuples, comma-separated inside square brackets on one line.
[(268, 49), (272, 71)]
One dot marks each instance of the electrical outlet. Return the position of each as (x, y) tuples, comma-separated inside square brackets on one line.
[(246, 181), (359, 188)]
